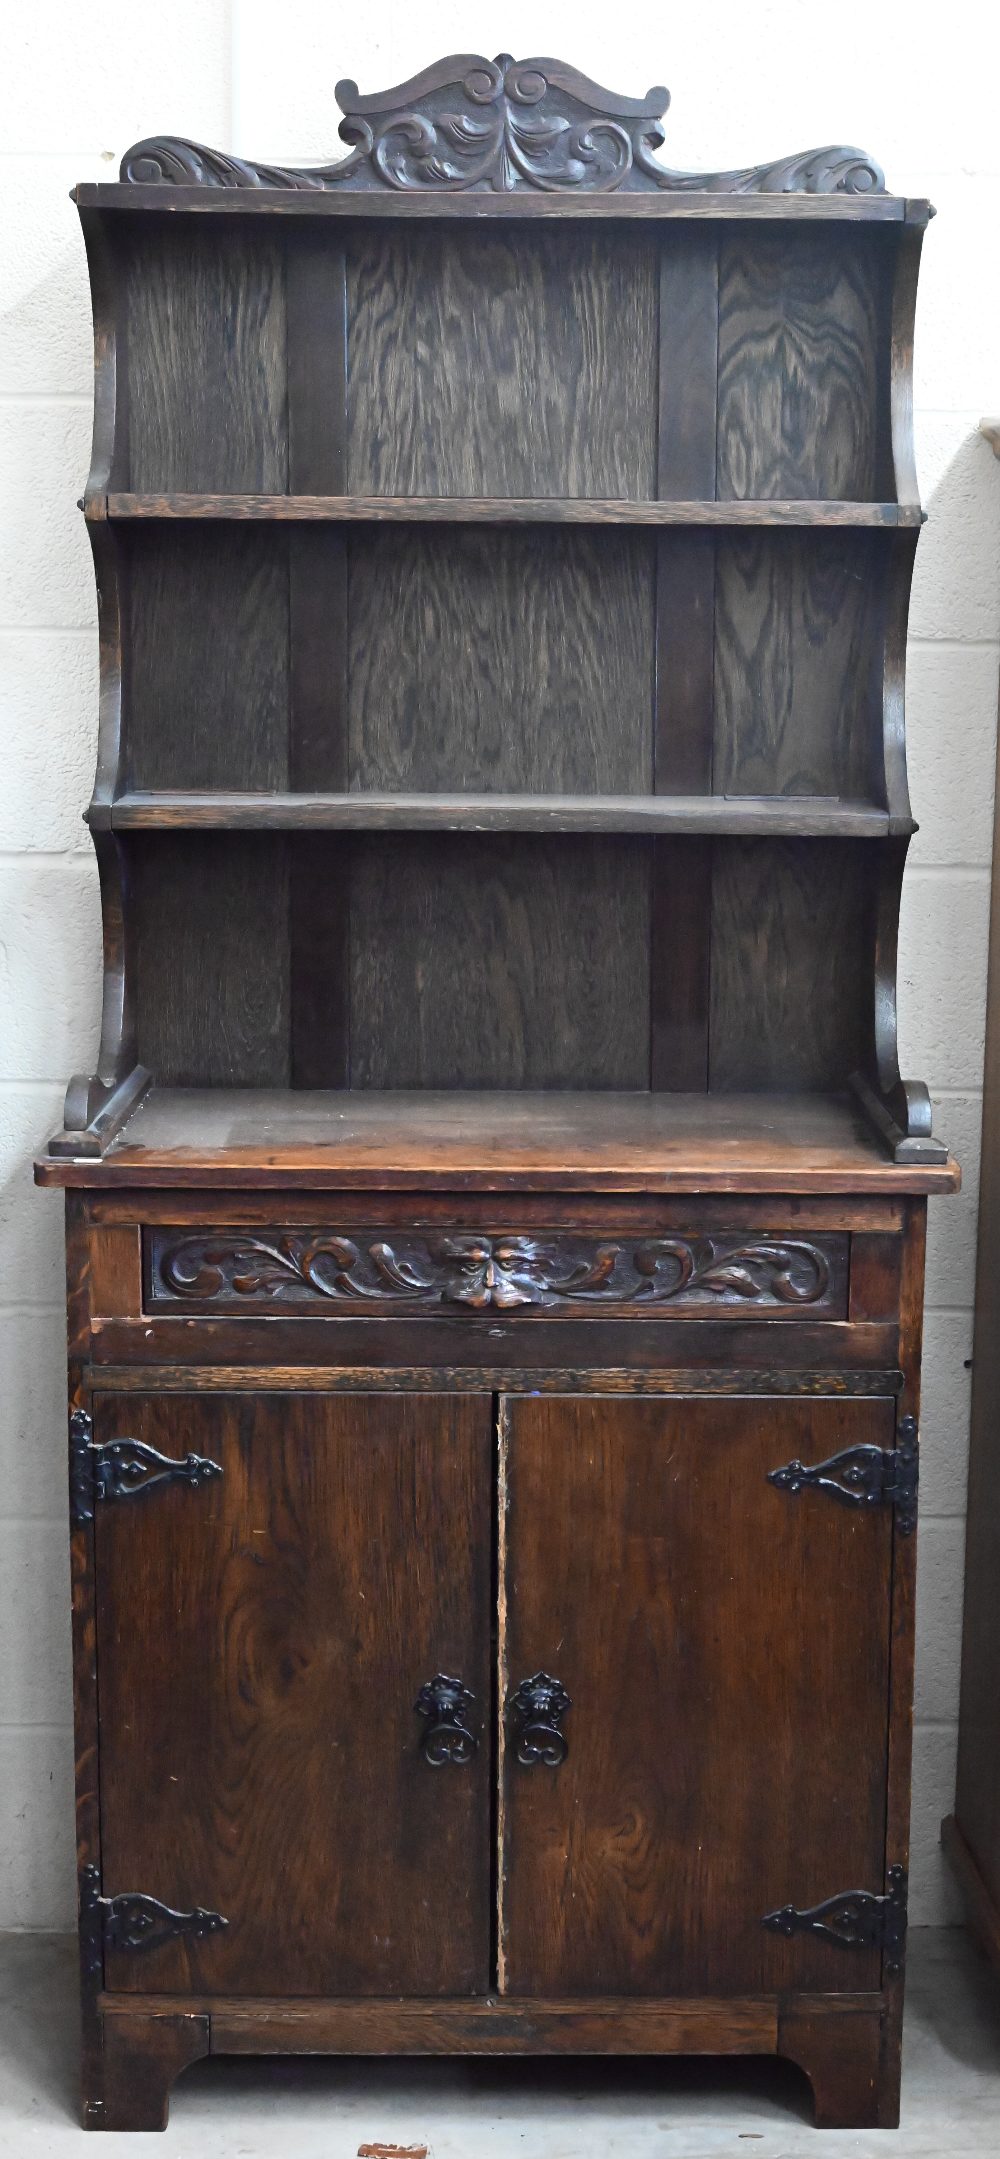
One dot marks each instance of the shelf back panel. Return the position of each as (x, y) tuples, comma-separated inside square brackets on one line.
[(513, 961), (798, 659), (207, 365), (493, 363), (511, 660), (802, 368), (208, 678)]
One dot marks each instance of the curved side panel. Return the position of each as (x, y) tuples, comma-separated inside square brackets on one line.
[(903, 546), (904, 301), (96, 1103), (900, 1108)]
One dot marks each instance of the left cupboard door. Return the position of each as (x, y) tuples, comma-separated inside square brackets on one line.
[(265, 1626)]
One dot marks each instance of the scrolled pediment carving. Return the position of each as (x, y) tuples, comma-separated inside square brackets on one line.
[(468, 124)]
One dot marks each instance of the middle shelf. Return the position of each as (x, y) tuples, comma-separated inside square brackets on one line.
[(789, 816), (499, 510)]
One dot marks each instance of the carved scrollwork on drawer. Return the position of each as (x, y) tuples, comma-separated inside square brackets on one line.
[(387, 1269)]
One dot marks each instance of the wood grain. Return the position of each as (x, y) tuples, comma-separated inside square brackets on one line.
[(736, 2026), (262, 1752), (643, 1864), (218, 294), (141, 2059), (501, 661), (798, 664), (791, 945), (562, 1141), (438, 205), (517, 967), (485, 365), (212, 970), (371, 811), (207, 705), (490, 510), (799, 317)]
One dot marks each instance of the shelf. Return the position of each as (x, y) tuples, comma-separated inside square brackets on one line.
[(491, 1142), (793, 816), (494, 510), (618, 206)]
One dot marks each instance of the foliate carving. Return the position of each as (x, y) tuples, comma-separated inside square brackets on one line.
[(133, 1922), (864, 1476), (855, 1920), (506, 1272), (469, 123)]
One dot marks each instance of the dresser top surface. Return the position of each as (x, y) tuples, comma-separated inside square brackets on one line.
[(601, 1142)]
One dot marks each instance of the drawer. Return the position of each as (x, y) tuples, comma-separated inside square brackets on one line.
[(388, 1269)]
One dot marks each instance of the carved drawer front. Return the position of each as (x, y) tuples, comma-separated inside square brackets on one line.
[(376, 1270)]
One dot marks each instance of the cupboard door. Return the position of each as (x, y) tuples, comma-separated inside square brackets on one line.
[(263, 1635), (725, 1648)]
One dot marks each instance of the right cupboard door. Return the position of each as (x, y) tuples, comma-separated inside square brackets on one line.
[(724, 1643)]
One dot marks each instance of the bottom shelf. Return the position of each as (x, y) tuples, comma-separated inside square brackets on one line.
[(597, 1142)]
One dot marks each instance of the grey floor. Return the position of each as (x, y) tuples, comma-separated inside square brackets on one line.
[(545, 2110)]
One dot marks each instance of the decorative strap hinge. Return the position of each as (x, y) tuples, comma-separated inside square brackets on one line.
[(121, 1468), (132, 1922), (865, 1476), (855, 1920)]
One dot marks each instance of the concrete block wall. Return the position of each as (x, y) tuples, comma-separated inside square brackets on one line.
[(753, 78)]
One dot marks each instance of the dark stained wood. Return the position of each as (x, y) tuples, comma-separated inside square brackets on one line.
[(142, 2057), (524, 1141), (645, 1862), (736, 2026), (982, 1912), (501, 660), (791, 938), (498, 1340), (487, 364), (497, 510), (523, 967), (318, 887), (221, 423), (855, 209), (684, 695), (679, 960), (798, 382), (363, 811), (212, 976), (797, 708), (462, 1379), (467, 1267), (208, 707), (339, 1562), (876, 1274), (636, 1213), (841, 2055)]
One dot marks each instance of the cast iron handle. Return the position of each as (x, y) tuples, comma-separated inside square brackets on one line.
[(444, 1703), (538, 1708)]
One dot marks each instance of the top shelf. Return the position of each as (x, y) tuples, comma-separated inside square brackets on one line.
[(318, 202), (494, 510)]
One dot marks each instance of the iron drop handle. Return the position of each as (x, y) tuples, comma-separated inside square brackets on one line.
[(444, 1703), (538, 1708)]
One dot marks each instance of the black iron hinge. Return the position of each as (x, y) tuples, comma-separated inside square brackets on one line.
[(865, 1476), (132, 1922), (121, 1468), (855, 1920)]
